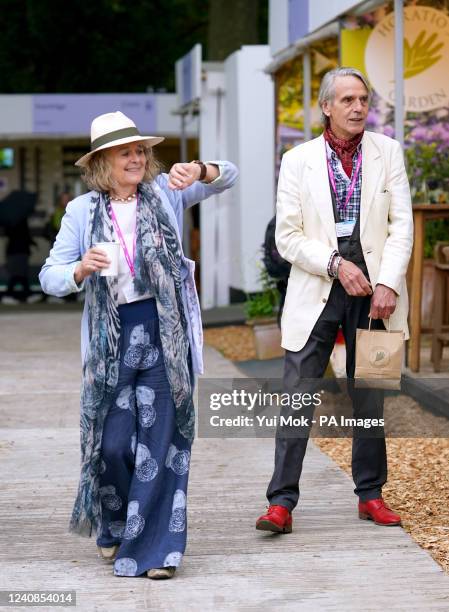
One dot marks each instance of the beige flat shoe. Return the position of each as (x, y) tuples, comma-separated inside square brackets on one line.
[(108, 554), (161, 573)]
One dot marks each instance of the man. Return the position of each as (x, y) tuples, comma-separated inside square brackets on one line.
[(344, 221)]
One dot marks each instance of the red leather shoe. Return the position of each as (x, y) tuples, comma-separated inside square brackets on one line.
[(278, 519), (376, 510)]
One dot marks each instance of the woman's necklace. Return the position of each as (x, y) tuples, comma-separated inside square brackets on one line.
[(129, 198), (130, 259)]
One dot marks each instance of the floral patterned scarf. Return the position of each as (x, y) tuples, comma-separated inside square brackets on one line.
[(157, 266)]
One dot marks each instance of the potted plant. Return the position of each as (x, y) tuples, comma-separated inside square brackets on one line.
[(261, 310), (428, 171)]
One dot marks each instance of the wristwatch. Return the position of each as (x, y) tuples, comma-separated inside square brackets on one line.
[(203, 169)]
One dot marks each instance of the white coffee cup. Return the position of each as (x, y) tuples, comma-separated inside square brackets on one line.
[(112, 250)]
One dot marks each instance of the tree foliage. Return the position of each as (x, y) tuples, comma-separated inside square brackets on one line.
[(231, 25), (103, 45)]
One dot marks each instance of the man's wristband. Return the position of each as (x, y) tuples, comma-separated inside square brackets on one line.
[(338, 261), (330, 265)]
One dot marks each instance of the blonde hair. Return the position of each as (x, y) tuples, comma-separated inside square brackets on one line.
[(97, 173)]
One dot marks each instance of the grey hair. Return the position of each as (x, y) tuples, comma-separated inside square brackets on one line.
[(327, 87)]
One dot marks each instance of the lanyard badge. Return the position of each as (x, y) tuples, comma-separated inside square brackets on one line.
[(355, 175), (129, 259)]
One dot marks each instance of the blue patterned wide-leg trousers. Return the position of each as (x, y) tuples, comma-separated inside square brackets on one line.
[(145, 460)]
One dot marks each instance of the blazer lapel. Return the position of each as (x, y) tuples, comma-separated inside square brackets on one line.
[(371, 171), (320, 189)]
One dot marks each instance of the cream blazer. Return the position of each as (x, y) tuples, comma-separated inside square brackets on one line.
[(306, 237)]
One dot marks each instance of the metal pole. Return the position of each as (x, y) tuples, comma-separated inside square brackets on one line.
[(188, 223), (216, 208), (399, 70), (183, 150), (307, 94)]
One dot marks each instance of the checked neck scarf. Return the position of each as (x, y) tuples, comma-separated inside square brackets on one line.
[(345, 149)]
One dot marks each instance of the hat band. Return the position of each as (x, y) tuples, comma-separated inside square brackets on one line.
[(111, 136)]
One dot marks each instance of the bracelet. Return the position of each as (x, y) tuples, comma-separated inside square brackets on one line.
[(336, 261), (337, 265), (330, 263), (203, 167)]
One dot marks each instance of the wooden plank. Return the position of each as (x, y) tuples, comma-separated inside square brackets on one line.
[(416, 291), (421, 214), (332, 560)]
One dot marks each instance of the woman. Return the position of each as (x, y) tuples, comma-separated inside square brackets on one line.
[(141, 343)]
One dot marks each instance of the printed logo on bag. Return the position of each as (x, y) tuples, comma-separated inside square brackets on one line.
[(379, 357)]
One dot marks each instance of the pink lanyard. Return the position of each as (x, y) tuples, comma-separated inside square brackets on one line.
[(355, 174), (130, 261)]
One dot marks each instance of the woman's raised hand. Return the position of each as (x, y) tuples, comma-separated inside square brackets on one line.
[(183, 175), (93, 260)]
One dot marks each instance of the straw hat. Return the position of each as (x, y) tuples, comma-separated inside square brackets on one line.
[(113, 129)]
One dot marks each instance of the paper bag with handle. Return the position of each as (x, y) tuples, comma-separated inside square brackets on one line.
[(379, 355)]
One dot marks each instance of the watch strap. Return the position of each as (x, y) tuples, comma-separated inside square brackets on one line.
[(203, 169)]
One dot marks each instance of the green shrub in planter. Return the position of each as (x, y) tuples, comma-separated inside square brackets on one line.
[(437, 230), (427, 169), (264, 304)]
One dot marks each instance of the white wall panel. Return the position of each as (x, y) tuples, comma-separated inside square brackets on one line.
[(278, 25), (323, 11), (16, 114), (169, 124), (214, 219), (251, 145)]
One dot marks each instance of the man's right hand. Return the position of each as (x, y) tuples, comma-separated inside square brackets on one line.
[(94, 260), (353, 280)]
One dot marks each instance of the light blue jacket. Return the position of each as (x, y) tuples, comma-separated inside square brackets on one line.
[(56, 276)]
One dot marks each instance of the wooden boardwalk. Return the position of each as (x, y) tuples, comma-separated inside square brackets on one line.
[(332, 560)]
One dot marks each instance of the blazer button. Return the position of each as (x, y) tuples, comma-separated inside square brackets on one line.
[(324, 300)]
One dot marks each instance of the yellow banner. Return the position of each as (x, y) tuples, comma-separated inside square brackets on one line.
[(352, 48)]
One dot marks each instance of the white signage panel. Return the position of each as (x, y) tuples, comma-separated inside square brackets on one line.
[(188, 76)]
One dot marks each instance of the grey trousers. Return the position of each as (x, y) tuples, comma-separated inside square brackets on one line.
[(369, 458)]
